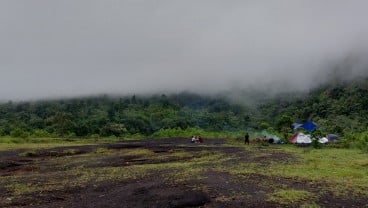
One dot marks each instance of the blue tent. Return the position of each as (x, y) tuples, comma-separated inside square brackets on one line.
[(309, 126)]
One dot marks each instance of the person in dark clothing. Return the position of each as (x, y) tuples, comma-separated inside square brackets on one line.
[(200, 140), (246, 138)]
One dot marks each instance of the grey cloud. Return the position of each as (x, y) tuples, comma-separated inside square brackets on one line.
[(71, 48)]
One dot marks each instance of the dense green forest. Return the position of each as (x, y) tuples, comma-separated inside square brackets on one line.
[(105, 116), (339, 109)]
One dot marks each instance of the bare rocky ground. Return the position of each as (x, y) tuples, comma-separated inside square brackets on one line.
[(42, 178)]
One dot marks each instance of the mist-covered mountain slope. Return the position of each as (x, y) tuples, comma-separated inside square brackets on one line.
[(335, 108)]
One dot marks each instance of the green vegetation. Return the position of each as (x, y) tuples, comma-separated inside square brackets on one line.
[(62, 173), (337, 109), (281, 174), (290, 196), (27, 154), (102, 150), (19, 188), (341, 170), (134, 117), (70, 152)]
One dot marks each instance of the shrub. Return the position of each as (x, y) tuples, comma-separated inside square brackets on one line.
[(40, 133), (362, 143), (19, 133)]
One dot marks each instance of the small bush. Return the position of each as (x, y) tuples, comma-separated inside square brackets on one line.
[(94, 136), (362, 143), (19, 133), (40, 133)]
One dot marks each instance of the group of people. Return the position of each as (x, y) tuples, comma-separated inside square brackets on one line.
[(258, 139), (196, 139), (262, 139)]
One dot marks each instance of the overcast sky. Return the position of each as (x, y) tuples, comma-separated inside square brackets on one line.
[(51, 48)]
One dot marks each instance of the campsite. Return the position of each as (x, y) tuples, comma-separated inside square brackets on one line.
[(177, 173), (175, 104)]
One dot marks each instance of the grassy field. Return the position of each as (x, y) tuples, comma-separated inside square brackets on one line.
[(9, 143), (229, 172)]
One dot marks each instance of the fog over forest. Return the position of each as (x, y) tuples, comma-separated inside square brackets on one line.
[(84, 47)]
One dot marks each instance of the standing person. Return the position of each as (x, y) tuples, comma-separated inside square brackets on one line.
[(200, 140), (246, 138)]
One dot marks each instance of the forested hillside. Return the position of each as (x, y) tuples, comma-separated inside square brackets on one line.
[(107, 116), (336, 109)]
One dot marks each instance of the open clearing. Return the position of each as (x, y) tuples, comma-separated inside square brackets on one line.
[(176, 173)]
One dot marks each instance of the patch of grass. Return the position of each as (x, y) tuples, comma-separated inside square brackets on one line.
[(241, 170), (310, 205), (344, 168), (11, 140), (9, 143), (78, 177), (71, 172), (338, 170), (13, 146), (193, 169), (71, 151), (361, 163), (141, 152), (29, 153), (344, 172), (18, 188), (290, 196), (181, 154), (103, 150)]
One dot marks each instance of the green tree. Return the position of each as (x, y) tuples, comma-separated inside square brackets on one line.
[(283, 125), (264, 125), (62, 123)]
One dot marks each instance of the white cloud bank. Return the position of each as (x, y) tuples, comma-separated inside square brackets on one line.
[(80, 47)]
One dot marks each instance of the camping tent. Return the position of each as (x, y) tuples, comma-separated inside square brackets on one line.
[(329, 138), (309, 126), (332, 138), (300, 138), (323, 140)]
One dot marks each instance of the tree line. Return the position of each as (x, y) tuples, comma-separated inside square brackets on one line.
[(106, 116), (340, 109)]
